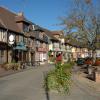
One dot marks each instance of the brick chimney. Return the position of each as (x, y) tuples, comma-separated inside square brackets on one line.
[(20, 14)]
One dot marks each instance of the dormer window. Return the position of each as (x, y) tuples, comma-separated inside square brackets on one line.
[(33, 27), (26, 28)]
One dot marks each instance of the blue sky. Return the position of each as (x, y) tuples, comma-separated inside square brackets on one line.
[(42, 12), (45, 13)]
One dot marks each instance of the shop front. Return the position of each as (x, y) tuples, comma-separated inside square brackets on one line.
[(19, 52), (42, 55), (4, 49)]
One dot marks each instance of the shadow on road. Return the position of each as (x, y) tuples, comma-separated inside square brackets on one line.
[(46, 86)]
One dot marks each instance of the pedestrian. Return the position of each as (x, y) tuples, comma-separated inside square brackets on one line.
[(59, 58)]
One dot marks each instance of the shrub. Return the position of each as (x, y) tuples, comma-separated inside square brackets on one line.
[(60, 78), (67, 65), (14, 66), (8, 66), (53, 59)]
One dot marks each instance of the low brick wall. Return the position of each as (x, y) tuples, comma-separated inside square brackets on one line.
[(97, 76)]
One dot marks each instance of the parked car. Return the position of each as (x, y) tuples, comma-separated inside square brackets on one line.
[(97, 62), (88, 61), (80, 61)]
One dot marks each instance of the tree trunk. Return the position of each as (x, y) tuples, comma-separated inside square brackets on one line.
[(94, 55)]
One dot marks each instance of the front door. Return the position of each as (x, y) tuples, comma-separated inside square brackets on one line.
[(2, 56), (32, 58)]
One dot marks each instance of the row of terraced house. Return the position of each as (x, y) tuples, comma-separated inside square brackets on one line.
[(23, 41)]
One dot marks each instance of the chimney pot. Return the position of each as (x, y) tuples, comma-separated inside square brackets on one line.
[(20, 14)]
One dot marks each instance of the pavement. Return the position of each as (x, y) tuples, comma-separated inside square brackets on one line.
[(28, 85), (91, 87), (4, 72)]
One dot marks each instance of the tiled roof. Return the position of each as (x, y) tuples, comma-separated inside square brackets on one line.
[(60, 33), (57, 32), (7, 20), (1, 25), (20, 17), (49, 33)]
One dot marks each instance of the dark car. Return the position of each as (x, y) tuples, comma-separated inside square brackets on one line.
[(80, 61)]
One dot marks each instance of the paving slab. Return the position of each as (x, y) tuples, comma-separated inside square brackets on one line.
[(28, 85)]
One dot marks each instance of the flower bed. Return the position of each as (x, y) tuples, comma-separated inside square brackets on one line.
[(14, 66), (59, 79)]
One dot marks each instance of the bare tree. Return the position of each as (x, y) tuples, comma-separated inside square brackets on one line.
[(85, 18)]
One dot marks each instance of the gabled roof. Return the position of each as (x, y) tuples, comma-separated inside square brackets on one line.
[(49, 33), (20, 18), (7, 20), (59, 32)]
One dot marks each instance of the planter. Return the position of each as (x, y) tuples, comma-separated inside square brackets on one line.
[(59, 79), (97, 77), (90, 70)]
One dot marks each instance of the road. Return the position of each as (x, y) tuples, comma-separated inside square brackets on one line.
[(28, 85)]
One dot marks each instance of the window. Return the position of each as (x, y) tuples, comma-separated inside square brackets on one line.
[(25, 40), (33, 26), (20, 38), (3, 35), (56, 45), (45, 38), (29, 41), (41, 35), (26, 28), (37, 43)]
